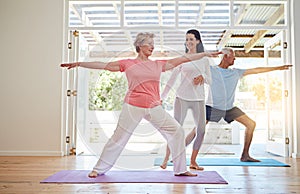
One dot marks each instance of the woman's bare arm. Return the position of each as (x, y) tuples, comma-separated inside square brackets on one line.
[(111, 66), (187, 58)]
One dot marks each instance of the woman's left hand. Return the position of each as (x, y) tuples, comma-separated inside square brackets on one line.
[(198, 80), (70, 65)]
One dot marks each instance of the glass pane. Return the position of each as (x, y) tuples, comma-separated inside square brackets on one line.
[(259, 14), (201, 13), (149, 13), (275, 104), (94, 13)]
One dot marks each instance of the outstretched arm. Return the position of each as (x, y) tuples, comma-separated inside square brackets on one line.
[(265, 69), (187, 58), (111, 66)]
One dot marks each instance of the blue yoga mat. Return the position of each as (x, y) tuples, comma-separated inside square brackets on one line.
[(228, 162)]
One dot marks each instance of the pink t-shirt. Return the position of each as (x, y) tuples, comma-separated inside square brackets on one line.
[(143, 81)]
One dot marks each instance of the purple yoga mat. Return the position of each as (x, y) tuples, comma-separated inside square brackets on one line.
[(163, 176)]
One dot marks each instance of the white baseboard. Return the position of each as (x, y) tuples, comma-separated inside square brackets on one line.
[(295, 155), (31, 153)]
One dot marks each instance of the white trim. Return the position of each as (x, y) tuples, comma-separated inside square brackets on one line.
[(235, 1), (64, 78), (295, 155), (155, 27), (31, 153), (295, 29)]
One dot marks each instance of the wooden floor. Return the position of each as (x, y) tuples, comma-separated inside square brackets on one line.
[(23, 175)]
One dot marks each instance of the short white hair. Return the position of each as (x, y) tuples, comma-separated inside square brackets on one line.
[(226, 51), (140, 39)]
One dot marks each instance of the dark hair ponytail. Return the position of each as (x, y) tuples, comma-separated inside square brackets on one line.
[(200, 48)]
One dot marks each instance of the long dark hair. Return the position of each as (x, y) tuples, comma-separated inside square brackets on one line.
[(196, 33)]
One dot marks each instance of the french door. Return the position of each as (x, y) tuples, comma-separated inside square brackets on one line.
[(278, 98)]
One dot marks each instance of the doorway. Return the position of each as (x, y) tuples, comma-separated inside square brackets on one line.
[(105, 33)]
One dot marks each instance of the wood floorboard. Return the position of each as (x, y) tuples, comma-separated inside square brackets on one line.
[(22, 175)]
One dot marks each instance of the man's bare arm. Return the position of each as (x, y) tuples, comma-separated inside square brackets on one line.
[(265, 69)]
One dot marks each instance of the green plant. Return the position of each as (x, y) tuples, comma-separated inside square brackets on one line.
[(106, 90)]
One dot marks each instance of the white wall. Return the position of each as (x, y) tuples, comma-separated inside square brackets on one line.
[(31, 39)]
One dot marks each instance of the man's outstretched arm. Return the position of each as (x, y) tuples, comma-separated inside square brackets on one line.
[(265, 69)]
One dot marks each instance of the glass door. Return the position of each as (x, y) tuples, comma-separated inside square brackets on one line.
[(277, 97)]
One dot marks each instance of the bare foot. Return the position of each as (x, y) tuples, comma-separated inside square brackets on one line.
[(248, 159), (187, 173), (196, 167), (93, 174), (164, 165)]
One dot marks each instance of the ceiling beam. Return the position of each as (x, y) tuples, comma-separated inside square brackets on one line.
[(121, 17), (201, 13), (160, 21), (250, 36), (228, 33), (274, 19), (256, 54)]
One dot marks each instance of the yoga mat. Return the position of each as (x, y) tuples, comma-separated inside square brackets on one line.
[(228, 162), (162, 176)]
